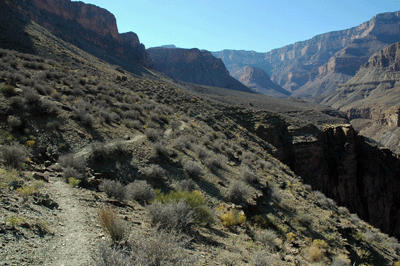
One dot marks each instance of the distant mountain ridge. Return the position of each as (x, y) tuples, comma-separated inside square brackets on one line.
[(194, 66), (316, 66), (257, 79)]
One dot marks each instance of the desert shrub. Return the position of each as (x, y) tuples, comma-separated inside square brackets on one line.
[(99, 150), (137, 124), (69, 160), (140, 191), (248, 175), (232, 217), (248, 155), (323, 201), (73, 182), (182, 143), (315, 254), (260, 258), (201, 151), (70, 172), (216, 161), (26, 191), (238, 192), (394, 244), (14, 122), (340, 261), (14, 155), (161, 248), (371, 236), (84, 116), (161, 149), (8, 90), (153, 172), (202, 214), (115, 117), (132, 114), (260, 221), (114, 226), (48, 106), (185, 185), (175, 125), (111, 256), (43, 89), (193, 169), (17, 102), (268, 237), (274, 193), (153, 134), (113, 189), (105, 114), (219, 145), (344, 211), (263, 165), (31, 96), (172, 215)]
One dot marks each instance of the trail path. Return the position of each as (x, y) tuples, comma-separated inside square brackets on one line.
[(76, 236)]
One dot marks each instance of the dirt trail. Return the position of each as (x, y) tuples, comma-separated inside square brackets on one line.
[(75, 237), (78, 233)]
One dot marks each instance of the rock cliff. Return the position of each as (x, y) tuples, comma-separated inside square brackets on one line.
[(371, 98), (337, 161), (89, 27), (194, 66), (317, 66)]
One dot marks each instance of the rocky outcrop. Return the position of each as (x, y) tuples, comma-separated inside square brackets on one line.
[(259, 81), (338, 162), (89, 27), (371, 98), (194, 66), (317, 66)]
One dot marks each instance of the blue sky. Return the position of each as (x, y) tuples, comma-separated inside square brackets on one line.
[(259, 25)]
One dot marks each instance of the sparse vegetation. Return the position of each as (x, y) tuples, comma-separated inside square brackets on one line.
[(115, 227)]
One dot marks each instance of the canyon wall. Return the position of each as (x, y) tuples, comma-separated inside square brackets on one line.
[(89, 27), (315, 67), (194, 66), (337, 161)]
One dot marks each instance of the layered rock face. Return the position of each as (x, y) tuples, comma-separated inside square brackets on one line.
[(194, 66), (89, 27), (371, 98), (259, 81), (339, 163), (317, 66)]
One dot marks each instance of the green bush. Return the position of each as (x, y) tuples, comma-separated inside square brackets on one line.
[(8, 90), (202, 215)]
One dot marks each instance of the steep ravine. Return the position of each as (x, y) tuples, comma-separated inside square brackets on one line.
[(341, 164)]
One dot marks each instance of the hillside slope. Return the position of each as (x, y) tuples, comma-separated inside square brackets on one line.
[(95, 143)]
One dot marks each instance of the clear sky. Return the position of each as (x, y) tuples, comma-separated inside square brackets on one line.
[(259, 25)]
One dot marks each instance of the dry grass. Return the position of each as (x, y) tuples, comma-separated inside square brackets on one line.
[(115, 227)]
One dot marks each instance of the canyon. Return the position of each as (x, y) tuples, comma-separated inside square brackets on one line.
[(315, 67), (332, 158)]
